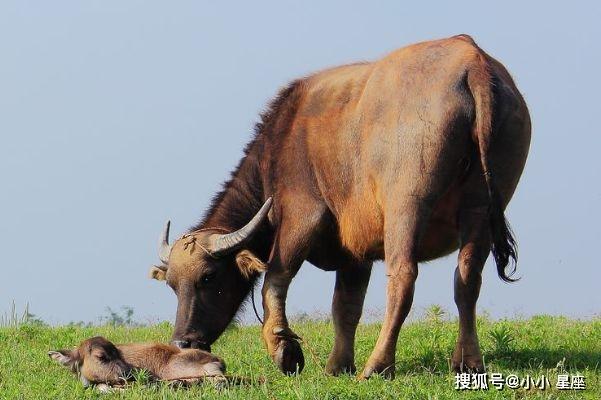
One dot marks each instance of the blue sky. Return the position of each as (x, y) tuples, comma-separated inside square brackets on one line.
[(115, 116)]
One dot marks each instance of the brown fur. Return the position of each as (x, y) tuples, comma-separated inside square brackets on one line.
[(406, 159), (99, 361)]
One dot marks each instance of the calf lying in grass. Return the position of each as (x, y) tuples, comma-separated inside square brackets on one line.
[(98, 361)]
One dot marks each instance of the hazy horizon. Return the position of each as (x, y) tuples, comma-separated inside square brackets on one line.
[(118, 116)]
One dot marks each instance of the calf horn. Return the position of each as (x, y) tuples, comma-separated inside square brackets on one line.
[(223, 244), (164, 246)]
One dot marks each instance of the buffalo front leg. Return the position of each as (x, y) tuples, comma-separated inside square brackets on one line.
[(347, 306), (282, 343), (475, 247), (289, 251)]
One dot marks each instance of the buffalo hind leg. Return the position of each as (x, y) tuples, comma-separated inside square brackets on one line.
[(400, 243), (475, 247), (289, 251), (347, 306)]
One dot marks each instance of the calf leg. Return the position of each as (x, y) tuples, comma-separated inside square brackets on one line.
[(475, 247), (347, 305), (294, 236)]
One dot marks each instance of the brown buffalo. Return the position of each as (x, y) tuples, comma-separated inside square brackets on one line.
[(98, 361), (405, 159)]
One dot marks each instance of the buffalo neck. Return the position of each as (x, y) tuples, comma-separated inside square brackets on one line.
[(240, 199), (244, 193)]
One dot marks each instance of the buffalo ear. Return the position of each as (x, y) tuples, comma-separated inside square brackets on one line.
[(157, 273), (63, 357), (249, 264)]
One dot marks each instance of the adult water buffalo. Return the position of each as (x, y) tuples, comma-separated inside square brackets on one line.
[(404, 159)]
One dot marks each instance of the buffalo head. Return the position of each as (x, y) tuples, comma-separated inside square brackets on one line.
[(211, 273)]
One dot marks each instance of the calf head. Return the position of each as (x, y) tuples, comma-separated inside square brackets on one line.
[(211, 273), (95, 360)]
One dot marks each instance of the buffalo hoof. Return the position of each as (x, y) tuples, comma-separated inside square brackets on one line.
[(463, 361), (384, 370), (337, 367), (468, 366), (289, 357), (471, 366)]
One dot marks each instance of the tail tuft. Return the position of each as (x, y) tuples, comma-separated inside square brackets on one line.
[(504, 246)]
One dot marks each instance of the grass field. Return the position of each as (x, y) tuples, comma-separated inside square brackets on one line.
[(538, 346)]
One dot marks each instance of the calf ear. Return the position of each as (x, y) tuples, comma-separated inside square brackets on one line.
[(249, 264), (63, 357), (157, 273)]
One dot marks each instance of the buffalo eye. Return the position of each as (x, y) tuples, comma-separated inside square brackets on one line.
[(208, 277)]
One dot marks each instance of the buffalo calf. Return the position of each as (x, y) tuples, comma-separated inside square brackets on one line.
[(99, 361)]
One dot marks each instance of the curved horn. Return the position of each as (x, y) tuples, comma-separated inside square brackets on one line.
[(222, 244), (164, 246)]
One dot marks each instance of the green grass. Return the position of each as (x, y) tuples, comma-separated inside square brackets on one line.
[(540, 345)]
